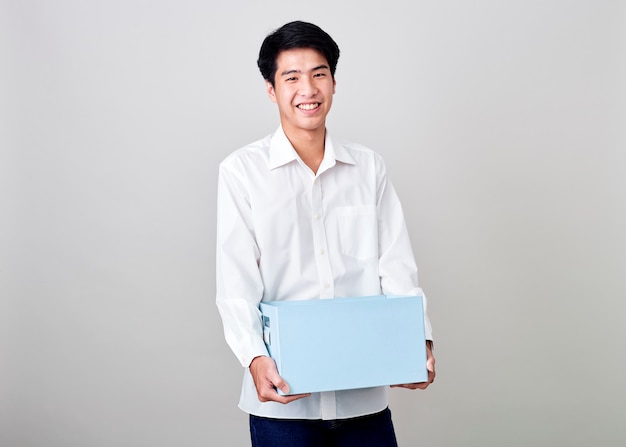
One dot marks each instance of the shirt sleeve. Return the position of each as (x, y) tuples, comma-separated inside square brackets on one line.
[(397, 266), (238, 279)]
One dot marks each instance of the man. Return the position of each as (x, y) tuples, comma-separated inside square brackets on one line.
[(302, 215)]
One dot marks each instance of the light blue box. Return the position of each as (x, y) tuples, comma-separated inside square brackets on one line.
[(346, 343)]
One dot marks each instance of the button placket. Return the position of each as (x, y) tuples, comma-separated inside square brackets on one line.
[(322, 260)]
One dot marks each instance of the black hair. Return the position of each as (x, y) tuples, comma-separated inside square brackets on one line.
[(296, 35)]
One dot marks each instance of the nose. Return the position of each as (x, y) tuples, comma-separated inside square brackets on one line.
[(307, 87)]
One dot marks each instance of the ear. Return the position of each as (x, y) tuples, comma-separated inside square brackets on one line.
[(271, 92), (334, 85)]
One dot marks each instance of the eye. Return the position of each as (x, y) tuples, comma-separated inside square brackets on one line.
[(291, 79), (319, 75)]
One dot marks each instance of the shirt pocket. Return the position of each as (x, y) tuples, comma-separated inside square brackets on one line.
[(358, 231)]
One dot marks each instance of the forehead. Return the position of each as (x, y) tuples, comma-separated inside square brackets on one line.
[(299, 59)]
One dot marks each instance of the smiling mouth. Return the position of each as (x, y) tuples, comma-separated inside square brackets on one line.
[(313, 106)]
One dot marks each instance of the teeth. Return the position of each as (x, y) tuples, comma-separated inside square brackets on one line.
[(308, 106)]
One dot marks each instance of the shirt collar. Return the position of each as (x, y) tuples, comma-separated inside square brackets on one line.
[(282, 152)]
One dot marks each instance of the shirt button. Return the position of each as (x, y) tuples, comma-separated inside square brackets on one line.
[(322, 252), (326, 285), (317, 216)]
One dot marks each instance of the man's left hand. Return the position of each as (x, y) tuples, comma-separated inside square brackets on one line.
[(430, 366)]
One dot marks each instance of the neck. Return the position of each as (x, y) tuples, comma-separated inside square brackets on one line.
[(309, 144)]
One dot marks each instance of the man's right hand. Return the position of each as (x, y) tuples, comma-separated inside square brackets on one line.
[(267, 380)]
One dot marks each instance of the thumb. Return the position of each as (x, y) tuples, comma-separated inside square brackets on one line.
[(430, 365), (279, 382), (283, 386)]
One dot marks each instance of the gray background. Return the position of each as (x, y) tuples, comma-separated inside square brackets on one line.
[(503, 126)]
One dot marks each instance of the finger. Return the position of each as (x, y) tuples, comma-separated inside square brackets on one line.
[(412, 386), (430, 364), (280, 384), (273, 396), (270, 391), (276, 381), (290, 398)]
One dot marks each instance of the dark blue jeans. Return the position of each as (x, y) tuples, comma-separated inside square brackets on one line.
[(374, 430)]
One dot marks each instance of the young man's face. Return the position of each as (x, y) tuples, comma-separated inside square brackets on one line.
[(303, 89)]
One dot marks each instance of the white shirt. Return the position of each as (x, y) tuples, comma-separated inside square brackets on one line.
[(285, 233)]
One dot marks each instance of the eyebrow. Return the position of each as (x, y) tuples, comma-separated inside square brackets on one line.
[(319, 67)]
